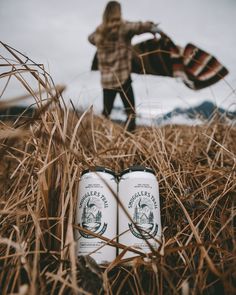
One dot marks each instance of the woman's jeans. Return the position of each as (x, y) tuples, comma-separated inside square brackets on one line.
[(127, 96)]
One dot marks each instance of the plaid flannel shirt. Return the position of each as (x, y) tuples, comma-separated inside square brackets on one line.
[(114, 57)]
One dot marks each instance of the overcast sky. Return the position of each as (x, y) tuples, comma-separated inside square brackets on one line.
[(54, 32)]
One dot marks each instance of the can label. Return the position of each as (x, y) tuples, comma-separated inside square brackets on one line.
[(97, 214), (139, 193), (142, 204), (92, 204)]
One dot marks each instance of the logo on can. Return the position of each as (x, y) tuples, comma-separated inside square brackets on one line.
[(143, 218), (91, 205)]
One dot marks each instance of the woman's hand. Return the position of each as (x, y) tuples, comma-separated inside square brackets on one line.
[(155, 29)]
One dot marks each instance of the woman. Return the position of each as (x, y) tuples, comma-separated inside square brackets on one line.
[(113, 41)]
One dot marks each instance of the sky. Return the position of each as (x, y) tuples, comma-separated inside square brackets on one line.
[(54, 32)]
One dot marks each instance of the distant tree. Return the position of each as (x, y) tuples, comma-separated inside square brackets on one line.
[(151, 217)]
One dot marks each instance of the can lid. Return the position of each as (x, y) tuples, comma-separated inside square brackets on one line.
[(99, 169), (137, 168)]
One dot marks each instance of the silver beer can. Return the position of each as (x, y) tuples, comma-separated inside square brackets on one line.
[(97, 212), (138, 191)]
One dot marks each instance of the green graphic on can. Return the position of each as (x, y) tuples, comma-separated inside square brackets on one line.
[(143, 218), (91, 218)]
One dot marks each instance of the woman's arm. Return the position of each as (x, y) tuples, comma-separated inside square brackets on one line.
[(137, 28)]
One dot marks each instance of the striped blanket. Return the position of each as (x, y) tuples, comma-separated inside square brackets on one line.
[(197, 68)]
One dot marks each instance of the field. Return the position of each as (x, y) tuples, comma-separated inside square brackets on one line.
[(42, 157)]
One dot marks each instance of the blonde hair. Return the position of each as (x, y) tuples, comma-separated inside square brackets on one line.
[(111, 21), (112, 9)]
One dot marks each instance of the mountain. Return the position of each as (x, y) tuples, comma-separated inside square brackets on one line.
[(204, 111)]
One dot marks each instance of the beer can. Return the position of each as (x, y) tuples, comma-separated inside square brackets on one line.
[(138, 191), (97, 212)]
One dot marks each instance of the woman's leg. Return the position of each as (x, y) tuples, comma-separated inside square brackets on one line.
[(127, 96), (109, 96)]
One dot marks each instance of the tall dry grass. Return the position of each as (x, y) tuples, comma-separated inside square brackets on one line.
[(42, 158)]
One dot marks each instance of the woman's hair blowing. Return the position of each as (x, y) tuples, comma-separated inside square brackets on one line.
[(112, 10), (111, 21)]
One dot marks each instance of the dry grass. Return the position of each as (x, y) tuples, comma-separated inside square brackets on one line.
[(41, 162)]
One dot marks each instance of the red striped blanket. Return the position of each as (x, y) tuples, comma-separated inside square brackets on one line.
[(197, 68)]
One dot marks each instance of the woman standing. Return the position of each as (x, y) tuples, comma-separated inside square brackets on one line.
[(113, 41)]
